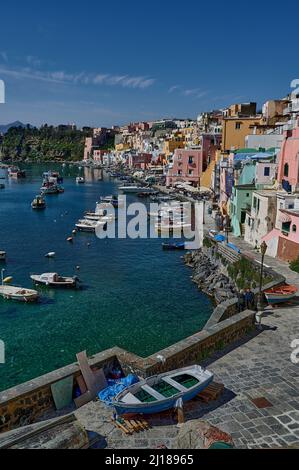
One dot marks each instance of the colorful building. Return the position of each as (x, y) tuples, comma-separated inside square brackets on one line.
[(186, 167), (288, 170)]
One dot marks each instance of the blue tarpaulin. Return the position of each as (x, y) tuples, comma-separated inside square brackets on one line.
[(219, 237), (115, 387)]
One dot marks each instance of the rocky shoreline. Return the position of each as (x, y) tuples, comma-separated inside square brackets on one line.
[(208, 275)]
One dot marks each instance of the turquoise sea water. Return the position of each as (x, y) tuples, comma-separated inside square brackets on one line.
[(134, 295)]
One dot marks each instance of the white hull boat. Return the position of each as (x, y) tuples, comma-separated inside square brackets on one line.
[(18, 293), (86, 225), (161, 392), (136, 189), (80, 179), (2, 255), (54, 280)]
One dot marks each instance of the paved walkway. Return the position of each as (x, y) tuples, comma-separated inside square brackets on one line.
[(281, 267), (258, 367)]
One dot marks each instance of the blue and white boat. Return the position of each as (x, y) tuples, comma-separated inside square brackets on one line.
[(161, 392)]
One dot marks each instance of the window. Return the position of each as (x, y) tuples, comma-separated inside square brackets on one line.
[(254, 202), (179, 172), (286, 170), (238, 125), (285, 227), (190, 160), (267, 171), (190, 172), (247, 194), (294, 228)]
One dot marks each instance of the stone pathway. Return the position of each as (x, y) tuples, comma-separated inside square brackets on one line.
[(259, 366)]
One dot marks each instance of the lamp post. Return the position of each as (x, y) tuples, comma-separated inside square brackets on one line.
[(2, 275), (260, 306)]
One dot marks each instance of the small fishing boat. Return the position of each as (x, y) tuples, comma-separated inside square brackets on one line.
[(51, 254), (161, 392), (38, 202), (18, 293), (173, 246), (54, 280), (2, 255), (80, 179), (109, 200), (280, 294)]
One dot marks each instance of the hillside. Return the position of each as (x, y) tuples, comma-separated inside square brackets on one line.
[(47, 143)]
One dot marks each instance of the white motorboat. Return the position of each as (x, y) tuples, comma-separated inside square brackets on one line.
[(18, 293), (85, 225), (54, 280), (80, 179), (136, 189), (95, 217)]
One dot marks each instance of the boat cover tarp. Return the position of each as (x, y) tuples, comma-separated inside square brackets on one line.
[(116, 386), (219, 237)]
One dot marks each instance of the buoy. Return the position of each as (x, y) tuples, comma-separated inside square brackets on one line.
[(69, 239), (78, 267), (51, 254), (88, 244), (74, 232)]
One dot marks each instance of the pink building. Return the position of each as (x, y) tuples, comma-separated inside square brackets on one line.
[(288, 170), (186, 167), (283, 241), (88, 148), (140, 161)]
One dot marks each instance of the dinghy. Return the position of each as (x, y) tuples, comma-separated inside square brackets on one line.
[(161, 392), (280, 294)]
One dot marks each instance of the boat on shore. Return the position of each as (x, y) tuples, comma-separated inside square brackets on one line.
[(38, 202), (280, 294), (161, 392), (18, 293), (54, 280)]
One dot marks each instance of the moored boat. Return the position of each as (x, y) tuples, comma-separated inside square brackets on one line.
[(18, 293), (85, 225), (38, 202), (54, 280), (136, 189), (80, 179), (161, 392), (280, 294), (2, 255), (173, 246)]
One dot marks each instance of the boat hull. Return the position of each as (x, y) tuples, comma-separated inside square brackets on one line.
[(278, 298), (204, 378)]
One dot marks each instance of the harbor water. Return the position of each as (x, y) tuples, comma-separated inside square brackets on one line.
[(133, 295)]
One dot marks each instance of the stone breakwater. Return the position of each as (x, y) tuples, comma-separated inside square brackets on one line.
[(210, 277)]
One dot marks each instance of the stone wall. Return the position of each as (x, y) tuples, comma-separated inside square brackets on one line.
[(24, 403)]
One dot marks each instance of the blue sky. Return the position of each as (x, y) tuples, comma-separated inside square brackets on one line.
[(104, 63)]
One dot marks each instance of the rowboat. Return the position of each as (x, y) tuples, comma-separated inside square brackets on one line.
[(161, 392), (18, 293), (280, 294), (54, 280)]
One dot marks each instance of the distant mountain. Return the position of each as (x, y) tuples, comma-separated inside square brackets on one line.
[(4, 127)]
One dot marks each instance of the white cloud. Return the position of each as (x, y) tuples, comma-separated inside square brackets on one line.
[(62, 77), (3, 56), (174, 88)]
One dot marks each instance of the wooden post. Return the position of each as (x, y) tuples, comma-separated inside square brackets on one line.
[(180, 411)]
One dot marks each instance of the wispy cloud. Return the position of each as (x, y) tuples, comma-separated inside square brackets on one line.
[(125, 81), (194, 92), (3, 56), (174, 88), (33, 61)]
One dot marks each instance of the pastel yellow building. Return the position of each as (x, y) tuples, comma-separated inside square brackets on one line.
[(172, 144), (236, 128), (122, 147)]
